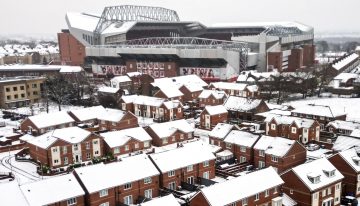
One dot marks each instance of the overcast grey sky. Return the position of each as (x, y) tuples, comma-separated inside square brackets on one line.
[(48, 16)]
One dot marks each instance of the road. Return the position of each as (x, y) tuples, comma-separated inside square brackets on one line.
[(24, 173)]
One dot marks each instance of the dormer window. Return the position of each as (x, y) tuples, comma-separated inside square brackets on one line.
[(329, 173), (314, 178), (356, 160)]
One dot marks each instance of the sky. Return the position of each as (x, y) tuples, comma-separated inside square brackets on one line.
[(48, 16)]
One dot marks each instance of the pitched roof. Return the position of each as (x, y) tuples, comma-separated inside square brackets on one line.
[(172, 104), (119, 138), (288, 120), (166, 129), (314, 169), (318, 110), (129, 169), (242, 138), (170, 92), (351, 156), (225, 193), (51, 119), (120, 79), (214, 110), (52, 190), (229, 86), (181, 157), (150, 101), (106, 89), (88, 113), (215, 93), (221, 130), (168, 200), (241, 103), (345, 142), (276, 146), (112, 115), (339, 124)]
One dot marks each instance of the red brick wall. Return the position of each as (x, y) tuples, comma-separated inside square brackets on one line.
[(128, 121), (210, 101), (80, 201), (275, 59), (72, 52), (157, 141), (214, 119)]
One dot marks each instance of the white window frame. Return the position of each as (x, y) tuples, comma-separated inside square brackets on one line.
[(147, 180), (274, 158), (206, 163), (261, 153), (148, 193), (71, 201), (266, 193), (257, 197), (190, 168), (128, 200), (127, 148), (171, 173), (242, 149), (273, 126), (127, 186), (293, 130), (103, 193), (116, 150)]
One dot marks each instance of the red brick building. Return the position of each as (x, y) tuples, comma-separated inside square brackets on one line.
[(241, 108), (278, 152), (218, 134), (257, 188), (241, 144), (72, 51), (59, 190), (191, 92), (211, 98), (236, 89), (42, 123), (63, 147), (212, 115), (88, 115), (184, 164), (170, 132), (114, 119), (342, 127), (348, 163), (300, 129), (314, 183), (126, 141), (125, 182), (169, 93)]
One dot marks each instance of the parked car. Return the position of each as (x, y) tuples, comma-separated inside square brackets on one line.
[(349, 200), (7, 116)]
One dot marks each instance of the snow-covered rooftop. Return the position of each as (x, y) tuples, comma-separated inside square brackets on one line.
[(128, 170), (345, 142), (16, 197), (345, 125), (60, 68), (51, 119), (221, 130), (82, 21), (214, 110), (215, 93), (276, 146), (314, 169), (345, 61), (88, 113), (168, 200), (112, 115), (229, 86), (256, 182), (166, 129), (180, 81), (172, 104), (52, 190), (287, 120), (351, 156), (111, 90), (120, 79), (170, 92), (355, 133), (181, 157), (318, 110), (241, 104), (146, 100), (119, 138), (242, 138)]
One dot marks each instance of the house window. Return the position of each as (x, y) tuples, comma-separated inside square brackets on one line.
[(315, 196), (136, 145), (56, 161), (66, 161), (266, 193), (96, 152), (148, 193), (173, 138), (14, 88), (16, 96), (103, 193), (293, 130), (113, 123), (189, 168), (7, 89), (273, 126), (206, 164), (329, 191), (337, 187), (128, 200), (172, 185), (88, 156), (8, 97), (261, 164), (261, 153), (190, 135), (242, 149), (116, 150), (171, 173), (165, 141), (291, 192), (242, 159), (257, 197), (324, 193), (75, 147), (71, 201), (147, 180), (275, 190), (126, 147), (55, 150), (87, 145), (244, 201), (179, 110), (146, 144), (181, 136), (274, 158), (228, 145), (206, 175), (127, 186)]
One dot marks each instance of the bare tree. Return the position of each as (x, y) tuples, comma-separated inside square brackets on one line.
[(58, 89)]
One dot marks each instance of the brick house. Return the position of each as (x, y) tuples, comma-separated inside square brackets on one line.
[(256, 188), (314, 183), (170, 132), (87, 115), (348, 163), (63, 147), (241, 108), (236, 89), (173, 110), (218, 134), (114, 119), (42, 123), (168, 200), (211, 98), (126, 103), (122, 82), (54, 191), (342, 127), (191, 92), (169, 93), (126, 141), (241, 144), (127, 182), (184, 164), (278, 152), (212, 115), (301, 129), (322, 113)]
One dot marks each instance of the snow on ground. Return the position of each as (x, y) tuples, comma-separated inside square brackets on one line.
[(41, 108), (348, 105)]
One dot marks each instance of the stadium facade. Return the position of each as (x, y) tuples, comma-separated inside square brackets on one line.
[(155, 41)]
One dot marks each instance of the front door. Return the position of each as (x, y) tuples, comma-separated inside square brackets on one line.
[(190, 180), (207, 121)]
